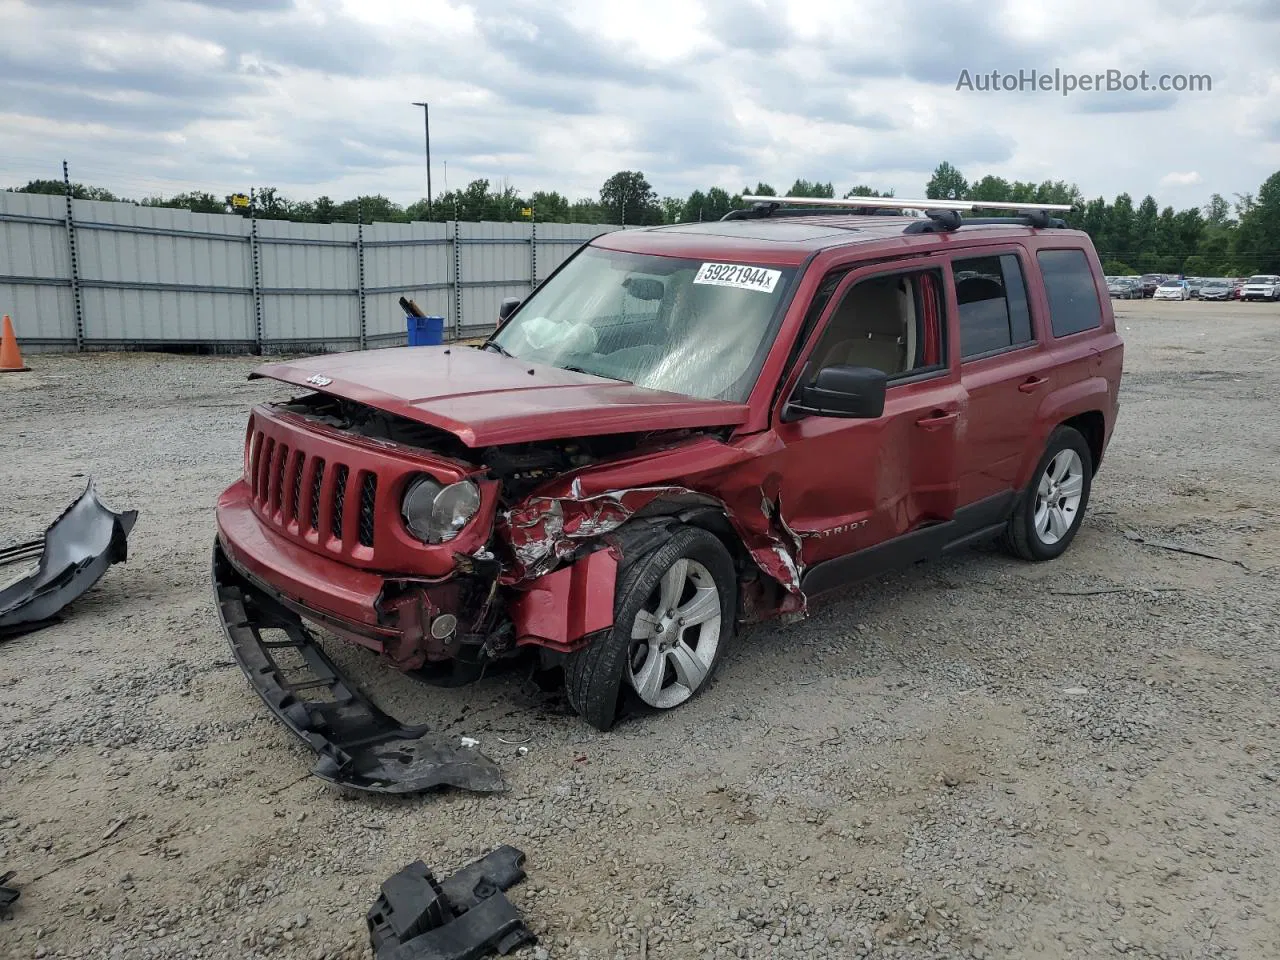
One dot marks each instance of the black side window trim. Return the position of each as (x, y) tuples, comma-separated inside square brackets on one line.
[(998, 254), (1093, 286), (1012, 348)]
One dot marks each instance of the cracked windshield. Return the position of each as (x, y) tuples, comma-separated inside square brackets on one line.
[(693, 327)]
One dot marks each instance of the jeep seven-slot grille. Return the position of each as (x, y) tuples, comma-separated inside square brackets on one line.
[(368, 495), (290, 488), (339, 499), (317, 477)]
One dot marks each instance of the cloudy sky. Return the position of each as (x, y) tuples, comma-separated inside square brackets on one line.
[(313, 96)]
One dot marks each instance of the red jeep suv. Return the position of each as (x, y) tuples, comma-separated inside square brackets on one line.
[(683, 429)]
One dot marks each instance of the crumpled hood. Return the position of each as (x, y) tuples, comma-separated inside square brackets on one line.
[(485, 398)]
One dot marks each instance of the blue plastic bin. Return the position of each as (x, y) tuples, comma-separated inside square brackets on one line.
[(425, 331)]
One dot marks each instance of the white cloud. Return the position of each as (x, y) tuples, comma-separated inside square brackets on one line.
[(313, 96)]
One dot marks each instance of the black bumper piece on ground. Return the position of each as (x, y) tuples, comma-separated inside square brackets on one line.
[(8, 895), (464, 917), (358, 745), (74, 554)]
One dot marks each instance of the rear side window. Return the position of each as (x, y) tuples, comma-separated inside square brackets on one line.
[(1073, 299), (993, 304)]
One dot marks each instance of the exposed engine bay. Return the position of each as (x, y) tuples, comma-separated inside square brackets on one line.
[(521, 468)]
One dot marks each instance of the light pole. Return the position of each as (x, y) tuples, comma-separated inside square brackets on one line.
[(426, 126)]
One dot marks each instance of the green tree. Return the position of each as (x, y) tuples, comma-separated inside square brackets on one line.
[(1217, 212), (1096, 222), (695, 207), (1121, 235), (672, 209), (718, 204), (761, 190), (586, 211), (1058, 191), (862, 190), (550, 206), (197, 201), (990, 188), (78, 190), (370, 209), (1117, 268), (268, 204), (1258, 242), (1164, 257), (815, 188), (628, 198), (1144, 225), (947, 183)]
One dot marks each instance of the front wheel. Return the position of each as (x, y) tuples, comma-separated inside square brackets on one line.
[(673, 617), (1052, 507)]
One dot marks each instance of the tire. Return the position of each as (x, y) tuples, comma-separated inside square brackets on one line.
[(1023, 536), (608, 678)]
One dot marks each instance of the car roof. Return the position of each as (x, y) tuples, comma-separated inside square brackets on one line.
[(784, 240)]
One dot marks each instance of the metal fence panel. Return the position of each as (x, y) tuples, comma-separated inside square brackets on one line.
[(152, 275), (33, 248), (309, 279), (115, 317), (496, 263), (414, 260)]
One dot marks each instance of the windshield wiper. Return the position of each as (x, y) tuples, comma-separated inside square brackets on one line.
[(497, 346), (592, 373)]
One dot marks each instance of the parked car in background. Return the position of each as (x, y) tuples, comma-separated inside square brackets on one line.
[(1150, 281), (1237, 287), (1125, 288), (1173, 290), (1263, 286), (1193, 285), (1219, 288), (1216, 288)]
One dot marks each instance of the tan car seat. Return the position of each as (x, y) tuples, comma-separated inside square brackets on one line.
[(869, 328)]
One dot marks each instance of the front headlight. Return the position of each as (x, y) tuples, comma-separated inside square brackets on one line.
[(436, 514)]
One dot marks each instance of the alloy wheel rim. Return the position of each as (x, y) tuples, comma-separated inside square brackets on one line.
[(675, 636), (1058, 496)]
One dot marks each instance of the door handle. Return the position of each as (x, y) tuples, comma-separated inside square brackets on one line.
[(1032, 384), (938, 418)]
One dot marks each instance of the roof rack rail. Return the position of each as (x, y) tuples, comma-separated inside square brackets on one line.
[(941, 216), (759, 210), (902, 203), (945, 221)]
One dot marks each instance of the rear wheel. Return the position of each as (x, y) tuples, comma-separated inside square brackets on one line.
[(673, 619), (1052, 507)]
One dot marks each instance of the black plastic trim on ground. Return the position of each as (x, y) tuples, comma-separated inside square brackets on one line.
[(463, 917), (358, 745), (9, 895), (74, 553)]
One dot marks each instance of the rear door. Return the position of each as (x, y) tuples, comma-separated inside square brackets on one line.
[(849, 484), (1004, 368)]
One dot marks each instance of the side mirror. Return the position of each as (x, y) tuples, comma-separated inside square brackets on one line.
[(507, 307), (851, 392)]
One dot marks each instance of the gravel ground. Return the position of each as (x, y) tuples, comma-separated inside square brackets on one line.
[(982, 758)]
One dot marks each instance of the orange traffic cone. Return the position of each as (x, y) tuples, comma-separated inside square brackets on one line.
[(10, 355)]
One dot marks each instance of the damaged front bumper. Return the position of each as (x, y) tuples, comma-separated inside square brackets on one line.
[(358, 745), (75, 552)]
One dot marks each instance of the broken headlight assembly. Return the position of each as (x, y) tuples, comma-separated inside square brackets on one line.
[(436, 514)]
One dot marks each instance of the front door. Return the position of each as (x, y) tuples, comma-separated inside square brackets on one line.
[(851, 484)]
